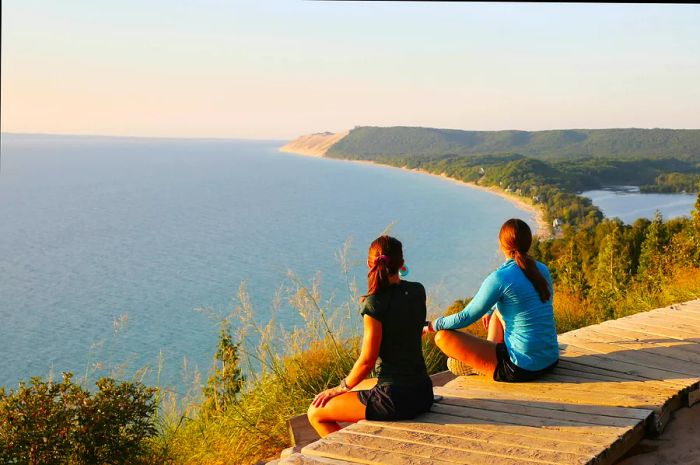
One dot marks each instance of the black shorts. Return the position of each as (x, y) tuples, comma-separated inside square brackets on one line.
[(387, 401), (508, 372)]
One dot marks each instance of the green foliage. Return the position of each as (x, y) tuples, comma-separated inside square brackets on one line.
[(369, 143), (612, 269), (674, 182), (62, 423), (226, 381), (651, 270)]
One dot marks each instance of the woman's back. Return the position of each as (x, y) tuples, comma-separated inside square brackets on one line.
[(401, 310), (530, 334)]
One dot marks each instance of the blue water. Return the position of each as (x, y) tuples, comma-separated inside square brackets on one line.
[(628, 204), (95, 228)]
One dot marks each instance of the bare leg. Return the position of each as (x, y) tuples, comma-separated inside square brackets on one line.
[(474, 351), (365, 384), (496, 326), (345, 407)]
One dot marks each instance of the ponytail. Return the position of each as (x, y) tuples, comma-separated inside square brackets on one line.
[(384, 258), (515, 237), (529, 267)]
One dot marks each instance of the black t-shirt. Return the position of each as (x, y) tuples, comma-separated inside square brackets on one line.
[(401, 310)]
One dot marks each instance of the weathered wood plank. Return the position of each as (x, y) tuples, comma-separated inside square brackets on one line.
[(344, 444), (564, 393), (529, 401), (658, 388), (693, 397), (568, 392), (299, 459), (688, 307), (640, 336), (619, 363), (332, 449), (656, 330), (588, 361), (682, 324), (459, 423), (483, 447), (534, 411), (618, 440), (562, 370), (522, 437), (688, 317), (643, 357), (525, 420), (608, 450), (669, 350), (682, 309), (686, 331)]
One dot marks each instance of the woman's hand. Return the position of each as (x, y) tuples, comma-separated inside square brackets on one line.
[(322, 398), (427, 329), (485, 320)]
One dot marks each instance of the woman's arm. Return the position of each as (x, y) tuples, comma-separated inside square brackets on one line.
[(489, 293), (371, 341)]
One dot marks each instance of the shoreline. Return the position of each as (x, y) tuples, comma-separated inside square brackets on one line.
[(542, 231)]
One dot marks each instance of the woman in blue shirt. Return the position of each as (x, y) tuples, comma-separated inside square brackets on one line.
[(515, 305)]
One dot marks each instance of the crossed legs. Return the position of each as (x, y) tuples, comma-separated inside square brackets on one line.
[(478, 353)]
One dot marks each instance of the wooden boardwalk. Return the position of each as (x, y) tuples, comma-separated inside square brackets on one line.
[(616, 381)]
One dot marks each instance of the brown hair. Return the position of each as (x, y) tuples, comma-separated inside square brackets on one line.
[(384, 258), (515, 238)]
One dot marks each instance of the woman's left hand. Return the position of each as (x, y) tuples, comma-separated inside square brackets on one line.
[(322, 398)]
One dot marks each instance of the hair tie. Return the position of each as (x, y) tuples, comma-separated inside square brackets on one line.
[(382, 259)]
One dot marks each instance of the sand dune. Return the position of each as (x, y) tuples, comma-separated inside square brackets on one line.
[(314, 145)]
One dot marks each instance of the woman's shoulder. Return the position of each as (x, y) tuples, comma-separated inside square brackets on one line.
[(543, 267), (412, 286)]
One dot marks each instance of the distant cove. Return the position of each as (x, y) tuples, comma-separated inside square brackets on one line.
[(95, 228), (628, 204)]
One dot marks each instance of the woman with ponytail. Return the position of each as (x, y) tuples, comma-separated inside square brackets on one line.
[(393, 313), (515, 305)]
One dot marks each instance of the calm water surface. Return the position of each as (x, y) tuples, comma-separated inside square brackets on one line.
[(95, 228), (628, 204)]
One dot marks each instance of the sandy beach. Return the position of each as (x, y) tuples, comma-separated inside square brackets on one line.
[(543, 229)]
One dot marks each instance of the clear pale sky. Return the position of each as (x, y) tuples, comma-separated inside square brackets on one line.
[(277, 69)]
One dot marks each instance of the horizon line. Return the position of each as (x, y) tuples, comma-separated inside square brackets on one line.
[(274, 139)]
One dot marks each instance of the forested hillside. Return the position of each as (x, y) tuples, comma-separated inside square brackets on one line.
[(372, 142)]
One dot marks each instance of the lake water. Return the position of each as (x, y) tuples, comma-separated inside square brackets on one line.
[(95, 228), (628, 204)]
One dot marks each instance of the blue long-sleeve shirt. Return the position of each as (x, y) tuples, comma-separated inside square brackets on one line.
[(530, 335)]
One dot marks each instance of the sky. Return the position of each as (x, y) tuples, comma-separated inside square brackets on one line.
[(278, 69)]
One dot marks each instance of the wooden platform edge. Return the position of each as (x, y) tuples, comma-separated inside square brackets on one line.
[(302, 433)]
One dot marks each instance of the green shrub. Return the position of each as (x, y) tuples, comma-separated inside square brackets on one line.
[(48, 422)]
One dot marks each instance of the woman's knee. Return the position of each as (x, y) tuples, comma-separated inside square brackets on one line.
[(442, 337), (313, 413)]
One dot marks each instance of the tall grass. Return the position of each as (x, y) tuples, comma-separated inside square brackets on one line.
[(573, 312), (284, 370)]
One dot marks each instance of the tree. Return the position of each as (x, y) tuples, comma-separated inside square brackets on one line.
[(634, 237), (695, 230), (612, 271), (651, 271), (570, 270), (226, 381)]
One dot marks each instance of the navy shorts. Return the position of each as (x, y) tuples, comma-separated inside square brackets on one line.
[(508, 372), (387, 401)]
